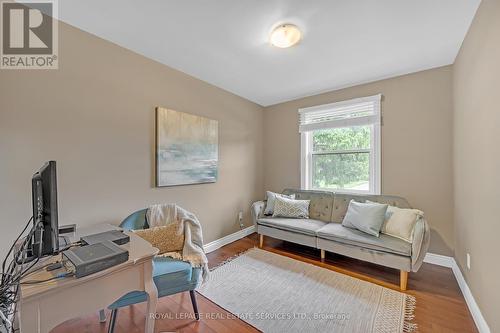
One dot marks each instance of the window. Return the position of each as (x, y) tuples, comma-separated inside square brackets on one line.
[(341, 146)]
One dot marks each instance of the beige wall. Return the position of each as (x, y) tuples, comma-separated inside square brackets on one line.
[(476, 89), (95, 116), (416, 144)]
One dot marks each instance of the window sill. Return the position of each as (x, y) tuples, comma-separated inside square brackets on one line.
[(354, 192)]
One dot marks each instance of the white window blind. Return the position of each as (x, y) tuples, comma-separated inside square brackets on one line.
[(340, 146), (354, 112)]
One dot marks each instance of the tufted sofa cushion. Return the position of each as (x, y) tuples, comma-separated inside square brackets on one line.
[(341, 202), (332, 207), (321, 204)]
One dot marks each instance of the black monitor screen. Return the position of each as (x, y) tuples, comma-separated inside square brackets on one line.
[(44, 195)]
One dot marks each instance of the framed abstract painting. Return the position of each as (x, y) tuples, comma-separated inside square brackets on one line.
[(187, 148)]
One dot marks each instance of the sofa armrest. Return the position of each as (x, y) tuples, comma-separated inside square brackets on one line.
[(420, 245), (257, 210)]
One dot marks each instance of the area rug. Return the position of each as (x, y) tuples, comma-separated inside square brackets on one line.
[(275, 293)]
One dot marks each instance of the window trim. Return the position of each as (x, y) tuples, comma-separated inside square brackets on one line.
[(375, 150)]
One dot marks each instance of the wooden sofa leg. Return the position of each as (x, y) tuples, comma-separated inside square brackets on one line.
[(322, 255), (403, 280), (261, 240)]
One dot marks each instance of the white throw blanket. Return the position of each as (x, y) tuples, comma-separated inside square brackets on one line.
[(192, 251)]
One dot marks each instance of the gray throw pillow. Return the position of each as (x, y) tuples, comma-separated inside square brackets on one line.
[(284, 207), (271, 197), (366, 217)]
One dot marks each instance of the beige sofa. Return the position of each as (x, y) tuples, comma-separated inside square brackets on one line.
[(324, 231)]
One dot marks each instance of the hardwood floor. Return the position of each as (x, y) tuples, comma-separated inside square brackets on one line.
[(440, 307)]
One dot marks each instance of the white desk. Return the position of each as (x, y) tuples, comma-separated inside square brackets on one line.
[(43, 306)]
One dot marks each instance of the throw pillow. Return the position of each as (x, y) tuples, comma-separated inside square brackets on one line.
[(285, 207), (168, 238), (366, 217), (400, 222), (271, 198)]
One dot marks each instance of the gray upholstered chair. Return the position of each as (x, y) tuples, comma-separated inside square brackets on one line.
[(171, 276)]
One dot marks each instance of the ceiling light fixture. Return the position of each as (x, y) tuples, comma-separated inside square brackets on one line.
[(285, 35)]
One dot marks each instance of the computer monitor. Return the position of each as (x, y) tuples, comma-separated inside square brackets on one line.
[(44, 195)]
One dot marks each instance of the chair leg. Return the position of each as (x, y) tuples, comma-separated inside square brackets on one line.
[(112, 321), (195, 305), (261, 240), (403, 280), (102, 316)]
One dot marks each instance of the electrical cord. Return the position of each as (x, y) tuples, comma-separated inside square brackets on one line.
[(12, 273), (15, 270), (42, 267), (12, 247), (58, 276), (77, 243), (18, 265), (7, 274), (27, 271)]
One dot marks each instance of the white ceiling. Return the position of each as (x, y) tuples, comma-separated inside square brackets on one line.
[(225, 42)]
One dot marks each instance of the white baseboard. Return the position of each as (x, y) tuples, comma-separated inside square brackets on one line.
[(481, 323), (450, 262), (218, 243), (439, 260)]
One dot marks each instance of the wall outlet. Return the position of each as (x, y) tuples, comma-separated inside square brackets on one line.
[(468, 260), (240, 219)]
